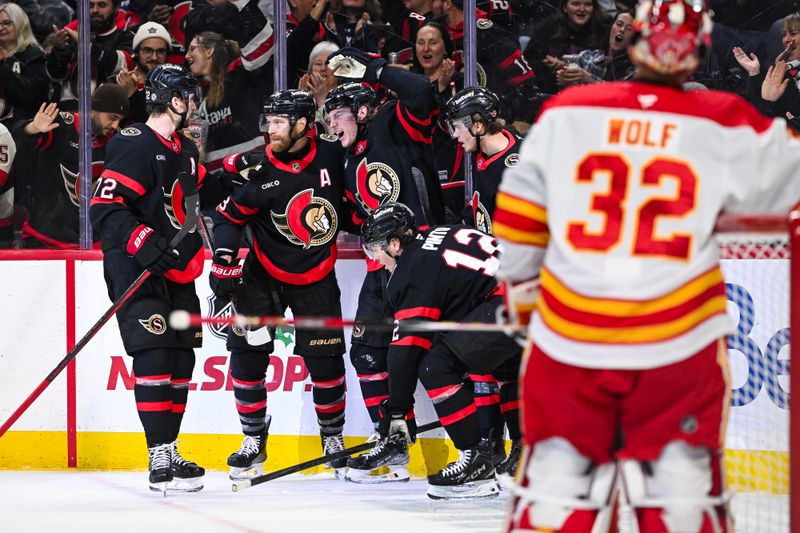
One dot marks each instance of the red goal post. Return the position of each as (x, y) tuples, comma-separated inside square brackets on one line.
[(762, 454)]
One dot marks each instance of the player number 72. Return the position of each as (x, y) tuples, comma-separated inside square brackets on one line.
[(612, 205)]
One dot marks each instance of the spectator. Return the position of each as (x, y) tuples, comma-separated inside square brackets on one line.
[(23, 81), (151, 46), (232, 103), (8, 150), (44, 14), (405, 18), (304, 30), (776, 92), (577, 25), (110, 49), (611, 63), (319, 80), (52, 139), (352, 22)]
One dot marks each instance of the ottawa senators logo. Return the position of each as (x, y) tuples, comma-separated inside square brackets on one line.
[(155, 324), (480, 214), (308, 221), (175, 207), (72, 182), (376, 184)]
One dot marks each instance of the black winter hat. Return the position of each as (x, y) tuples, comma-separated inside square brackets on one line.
[(111, 98)]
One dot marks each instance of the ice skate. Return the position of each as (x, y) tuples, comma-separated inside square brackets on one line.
[(248, 461), (508, 468), (332, 444), (471, 476), (385, 463), (187, 476), (160, 467)]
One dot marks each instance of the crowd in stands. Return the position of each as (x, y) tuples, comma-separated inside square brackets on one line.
[(526, 51)]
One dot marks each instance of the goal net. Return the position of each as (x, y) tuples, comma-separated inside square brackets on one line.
[(756, 262)]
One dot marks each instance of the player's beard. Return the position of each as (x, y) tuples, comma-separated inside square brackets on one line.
[(280, 144)]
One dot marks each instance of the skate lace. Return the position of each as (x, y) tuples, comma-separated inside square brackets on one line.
[(456, 467), (377, 450), (250, 445), (177, 458), (333, 445), (161, 456)]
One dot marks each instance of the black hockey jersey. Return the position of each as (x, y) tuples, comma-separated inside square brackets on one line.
[(292, 204), (55, 183), (488, 173), (394, 160), (445, 273), (139, 185)]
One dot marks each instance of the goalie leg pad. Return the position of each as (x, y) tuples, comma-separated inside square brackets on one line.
[(674, 492), (565, 491)]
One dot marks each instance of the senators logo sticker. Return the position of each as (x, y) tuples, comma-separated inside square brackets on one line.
[(376, 184), (130, 132), (483, 221), (67, 117), (155, 324), (308, 221)]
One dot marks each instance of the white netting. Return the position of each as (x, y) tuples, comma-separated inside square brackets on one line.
[(756, 268)]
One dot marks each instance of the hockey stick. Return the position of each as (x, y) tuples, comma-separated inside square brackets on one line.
[(239, 486), (185, 320), (188, 184)]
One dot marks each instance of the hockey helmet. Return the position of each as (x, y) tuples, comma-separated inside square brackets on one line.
[(467, 103), (670, 36), (390, 221), (351, 95), (167, 80), (290, 103)]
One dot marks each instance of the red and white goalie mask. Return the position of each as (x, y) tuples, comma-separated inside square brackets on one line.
[(670, 34)]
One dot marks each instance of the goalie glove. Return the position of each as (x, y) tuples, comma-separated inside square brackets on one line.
[(515, 314), (356, 64)]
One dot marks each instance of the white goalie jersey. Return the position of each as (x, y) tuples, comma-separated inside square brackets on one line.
[(614, 202)]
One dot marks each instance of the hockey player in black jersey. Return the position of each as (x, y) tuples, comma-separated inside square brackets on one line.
[(389, 158), (136, 209), (443, 273), (291, 203), (51, 139)]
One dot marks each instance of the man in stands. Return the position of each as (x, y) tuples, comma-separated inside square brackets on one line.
[(51, 139), (136, 210), (151, 47), (443, 273), (627, 374)]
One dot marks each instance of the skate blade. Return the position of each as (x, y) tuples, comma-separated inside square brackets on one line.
[(505, 481), (160, 487), (248, 472), (189, 484), (476, 489), (385, 474)]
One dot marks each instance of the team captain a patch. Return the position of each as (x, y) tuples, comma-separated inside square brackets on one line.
[(155, 324)]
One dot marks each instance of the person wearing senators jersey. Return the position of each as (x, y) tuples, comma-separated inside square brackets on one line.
[(136, 209), (291, 202), (627, 372)]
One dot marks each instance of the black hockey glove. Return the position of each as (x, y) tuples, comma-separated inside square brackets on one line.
[(236, 169), (226, 274), (356, 64), (151, 250), (393, 425)]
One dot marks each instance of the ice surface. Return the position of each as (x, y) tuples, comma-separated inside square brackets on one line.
[(78, 501)]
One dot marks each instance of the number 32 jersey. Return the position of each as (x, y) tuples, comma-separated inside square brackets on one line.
[(614, 203)]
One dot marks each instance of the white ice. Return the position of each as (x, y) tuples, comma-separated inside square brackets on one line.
[(79, 501)]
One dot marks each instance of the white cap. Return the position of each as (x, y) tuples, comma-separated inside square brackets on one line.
[(150, 30)]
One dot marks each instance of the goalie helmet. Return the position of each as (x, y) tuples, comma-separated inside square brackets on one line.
[(168, 80), (467, 103), (351, 95), (390, 221), (290, 103), (669, 36)]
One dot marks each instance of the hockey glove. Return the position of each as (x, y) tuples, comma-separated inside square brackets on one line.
[(236, 169), (356, 64), (226, 273), (151, 250), (393, 425)]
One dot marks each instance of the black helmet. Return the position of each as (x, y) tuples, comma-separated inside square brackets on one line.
[(352, 95), (165, 81), (289, 103), (389, 221), (470, 101)]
